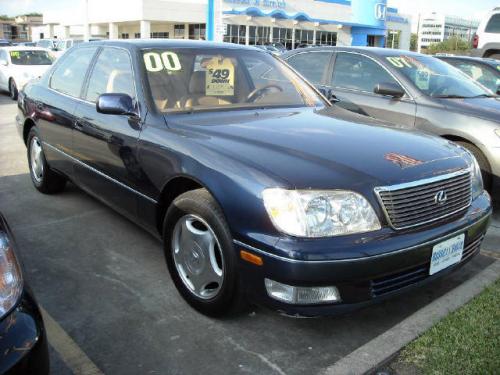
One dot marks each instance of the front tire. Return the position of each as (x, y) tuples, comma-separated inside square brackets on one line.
[(13, 92), (44, 179), (200, 254)]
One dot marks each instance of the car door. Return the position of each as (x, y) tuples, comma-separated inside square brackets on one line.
[(105, 144), (55, 107), (4, 70), (353, 80), (314, 66)]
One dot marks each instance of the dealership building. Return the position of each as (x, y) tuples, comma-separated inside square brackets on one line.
[(290, 22)]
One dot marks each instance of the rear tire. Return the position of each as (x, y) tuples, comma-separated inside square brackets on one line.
[(192, 216), (483, 164), (13, 92), (44, 179)]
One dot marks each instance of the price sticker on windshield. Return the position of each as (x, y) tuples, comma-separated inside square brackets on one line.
[(219, 77), (15, 54), (422, 79), (399, 62)]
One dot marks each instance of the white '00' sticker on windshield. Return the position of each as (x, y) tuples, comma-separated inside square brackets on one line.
[(156, 62)]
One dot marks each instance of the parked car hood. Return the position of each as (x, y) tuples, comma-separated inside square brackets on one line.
[(485, 108), (307, 148)]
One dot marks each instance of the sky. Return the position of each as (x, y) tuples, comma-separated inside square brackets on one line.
[(465, 8)]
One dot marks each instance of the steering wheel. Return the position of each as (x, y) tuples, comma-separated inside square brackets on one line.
[(259, 92)]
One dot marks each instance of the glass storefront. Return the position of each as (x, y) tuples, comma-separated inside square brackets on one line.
[(283, 35), (258, 35), (235, 34), (197, 31), (326, 38)]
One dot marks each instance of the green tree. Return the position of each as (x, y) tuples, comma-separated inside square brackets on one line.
[(5, 17), (413, 42), (451, 45)]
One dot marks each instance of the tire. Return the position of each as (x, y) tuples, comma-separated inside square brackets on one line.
[(13, 89), (44, 179), (199, 211), (483, 164)]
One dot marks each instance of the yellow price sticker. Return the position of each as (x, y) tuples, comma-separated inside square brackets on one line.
[(219, 77), (15, 54)]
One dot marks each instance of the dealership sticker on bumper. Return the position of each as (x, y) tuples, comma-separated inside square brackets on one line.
[(446, 253)]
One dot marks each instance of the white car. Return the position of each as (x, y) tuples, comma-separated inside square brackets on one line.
[(486, 41), (18, 65)]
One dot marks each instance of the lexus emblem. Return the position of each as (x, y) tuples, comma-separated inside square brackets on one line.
[(440, 197)]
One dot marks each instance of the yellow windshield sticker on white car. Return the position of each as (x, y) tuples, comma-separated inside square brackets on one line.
[(15, 54), (422, 79), (399, 62), (219, 77), (156, 62)]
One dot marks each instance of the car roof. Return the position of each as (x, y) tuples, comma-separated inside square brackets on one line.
[(371, 51), (166, 43)]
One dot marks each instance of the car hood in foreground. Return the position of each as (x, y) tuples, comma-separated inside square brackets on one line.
[(306, 148), (485, 108)]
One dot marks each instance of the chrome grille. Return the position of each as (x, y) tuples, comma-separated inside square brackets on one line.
[(421, 202)]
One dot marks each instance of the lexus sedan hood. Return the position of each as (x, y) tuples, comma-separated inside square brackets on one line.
[(485, 108), (306, 148)]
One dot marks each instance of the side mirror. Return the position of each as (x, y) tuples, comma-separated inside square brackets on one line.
[(389, 89), (4, 62), (115, 104), (328, 93)]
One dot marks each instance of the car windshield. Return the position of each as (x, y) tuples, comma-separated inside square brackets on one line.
[(189, 79), (33, 57), (436, 78)]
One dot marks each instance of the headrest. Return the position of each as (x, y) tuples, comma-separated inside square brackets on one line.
[(197, 82)]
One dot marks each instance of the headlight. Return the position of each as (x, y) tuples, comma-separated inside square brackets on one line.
[(11, 284), (477, 178), (312, 213)]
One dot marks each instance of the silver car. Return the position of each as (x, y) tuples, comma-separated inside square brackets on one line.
[(411, 90)]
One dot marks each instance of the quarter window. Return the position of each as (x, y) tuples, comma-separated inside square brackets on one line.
[(493, 25), (69, 75), (311, 65), (112, 73), (357, 72)]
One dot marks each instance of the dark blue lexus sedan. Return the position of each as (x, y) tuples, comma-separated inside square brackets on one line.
[(257, 185)]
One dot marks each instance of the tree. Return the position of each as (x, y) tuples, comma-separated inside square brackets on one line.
[(451, 45), (413, 42), (5, 17)]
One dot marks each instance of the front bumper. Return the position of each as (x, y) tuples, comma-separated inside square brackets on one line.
[(23, 340), (365, 279)]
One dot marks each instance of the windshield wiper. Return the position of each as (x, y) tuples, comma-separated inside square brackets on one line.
[(483, 96), (451, 97)]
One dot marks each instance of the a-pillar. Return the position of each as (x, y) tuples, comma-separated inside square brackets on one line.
[(113, 30), (145, 29)]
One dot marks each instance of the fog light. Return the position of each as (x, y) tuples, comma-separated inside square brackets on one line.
[(300, 295)]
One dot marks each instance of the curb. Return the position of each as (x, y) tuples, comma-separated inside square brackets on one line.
[(374, 353)]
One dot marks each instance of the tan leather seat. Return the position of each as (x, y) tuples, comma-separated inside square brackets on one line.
[(197, 97)]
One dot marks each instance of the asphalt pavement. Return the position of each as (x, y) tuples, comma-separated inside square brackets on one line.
[(104, 281)]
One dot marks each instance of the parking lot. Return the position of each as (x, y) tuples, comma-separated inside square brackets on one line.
[(105, 282)]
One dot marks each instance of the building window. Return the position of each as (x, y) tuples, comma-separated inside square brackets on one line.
[(137, 35), (197, 31), (235, 34), (304, 37), (159, 35), (326, 38), (283, 35), (258, 35), (393, 37), (179, 31), (124, 35)]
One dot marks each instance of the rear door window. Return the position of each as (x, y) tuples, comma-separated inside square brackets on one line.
[(69, 75), (493, 25), (112, 73), (311, 65)]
